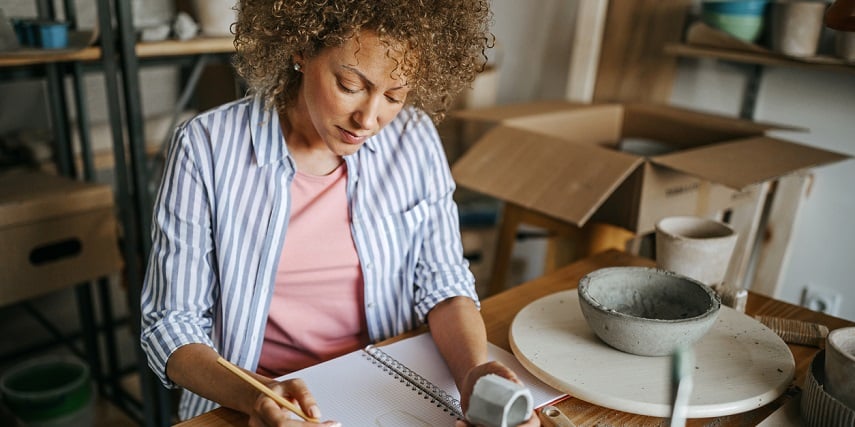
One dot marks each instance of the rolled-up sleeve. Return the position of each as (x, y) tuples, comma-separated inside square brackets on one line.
[(441, 271), (179, 288)]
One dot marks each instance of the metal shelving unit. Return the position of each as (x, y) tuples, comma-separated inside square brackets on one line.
[(119, 57)]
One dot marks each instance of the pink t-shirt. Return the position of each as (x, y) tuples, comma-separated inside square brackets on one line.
[(317, 308)]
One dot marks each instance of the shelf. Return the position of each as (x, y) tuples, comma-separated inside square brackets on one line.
[(44, 56), (759, 58), (197, 46)]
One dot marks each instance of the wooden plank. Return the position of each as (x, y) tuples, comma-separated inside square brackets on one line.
[(633, 63), (688, 50), (195, 46), (45, 56), (745, 220), (585, 54), (774, 250), (508, 223)]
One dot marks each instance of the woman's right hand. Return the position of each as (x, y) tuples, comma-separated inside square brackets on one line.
[(267, 413)]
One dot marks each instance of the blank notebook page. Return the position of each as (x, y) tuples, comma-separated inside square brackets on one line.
[(356, 391)]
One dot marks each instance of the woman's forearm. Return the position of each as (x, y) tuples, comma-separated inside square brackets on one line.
[(195, 367), (459, 333)]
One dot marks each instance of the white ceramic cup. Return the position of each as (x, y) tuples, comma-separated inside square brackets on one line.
[(840, 365), (499, 402), (844, 45), (796, 26), (695, 247), (215, 16)]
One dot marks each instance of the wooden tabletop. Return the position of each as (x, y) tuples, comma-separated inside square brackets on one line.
[(499, 311)]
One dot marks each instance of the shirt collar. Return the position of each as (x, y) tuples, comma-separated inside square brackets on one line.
[(268, 143)]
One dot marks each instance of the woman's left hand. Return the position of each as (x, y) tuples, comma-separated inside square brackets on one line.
[(479, 371)]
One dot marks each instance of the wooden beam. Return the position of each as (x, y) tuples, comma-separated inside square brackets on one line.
[(774, 250), (745, 220), (585, 55), (633, 63)]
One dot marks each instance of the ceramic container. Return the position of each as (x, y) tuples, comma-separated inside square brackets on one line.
[(53, 35), (747, 28), (696, 247), (840, 365), (817, 407), (26, 29), (215, 16), (647, 311), (499, 402), (743, 19), (796, 27), (844, 45)]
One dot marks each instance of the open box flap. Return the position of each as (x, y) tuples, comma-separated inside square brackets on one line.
[(595, 124), (504, 112), (562, 179), (641, 114), (743, 162)]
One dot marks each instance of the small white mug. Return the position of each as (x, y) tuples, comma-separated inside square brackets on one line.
[(696, 247), (499, 402)]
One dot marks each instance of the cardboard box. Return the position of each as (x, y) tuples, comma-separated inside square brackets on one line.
[(54, 233), (623, 164)]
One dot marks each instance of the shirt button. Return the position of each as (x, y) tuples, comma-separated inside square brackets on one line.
[(368, 265), (370, 305)]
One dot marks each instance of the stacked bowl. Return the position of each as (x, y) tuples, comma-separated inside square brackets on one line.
[(742, 19)]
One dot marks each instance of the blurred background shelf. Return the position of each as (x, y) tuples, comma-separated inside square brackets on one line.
[(196, 46), (757, 58), (36, 57)]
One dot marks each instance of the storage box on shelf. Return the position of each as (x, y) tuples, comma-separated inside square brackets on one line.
[(54, 233)]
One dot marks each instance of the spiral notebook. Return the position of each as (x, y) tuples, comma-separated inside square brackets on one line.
[(402, 384)]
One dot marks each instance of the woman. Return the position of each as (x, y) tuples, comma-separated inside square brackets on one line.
[(316, 216)]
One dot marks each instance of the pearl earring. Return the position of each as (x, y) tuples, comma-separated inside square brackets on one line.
[(297, 67)]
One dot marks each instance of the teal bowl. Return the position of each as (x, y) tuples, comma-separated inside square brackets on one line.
[(744, 27), (736, 7)]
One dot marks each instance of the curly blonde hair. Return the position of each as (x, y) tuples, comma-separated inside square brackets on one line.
[(442, 43)]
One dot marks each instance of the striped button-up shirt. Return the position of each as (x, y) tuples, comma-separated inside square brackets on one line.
[(220, 220)]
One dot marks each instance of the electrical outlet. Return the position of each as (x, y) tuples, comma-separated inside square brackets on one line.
[(821, 299)]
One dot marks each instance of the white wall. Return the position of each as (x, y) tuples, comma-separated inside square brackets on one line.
[(535, 46), (532, 48), (823, 246)]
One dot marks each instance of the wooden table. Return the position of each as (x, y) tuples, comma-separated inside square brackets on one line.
[(499, 311)]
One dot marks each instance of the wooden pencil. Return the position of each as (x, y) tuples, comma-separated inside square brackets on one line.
[(264, 389)]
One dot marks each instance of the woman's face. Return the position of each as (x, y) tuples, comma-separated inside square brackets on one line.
[(351, 92)]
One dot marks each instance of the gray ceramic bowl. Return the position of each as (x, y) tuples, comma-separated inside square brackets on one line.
[(647, 311)]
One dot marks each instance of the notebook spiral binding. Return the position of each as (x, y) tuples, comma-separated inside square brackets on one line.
[(417, 382)]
